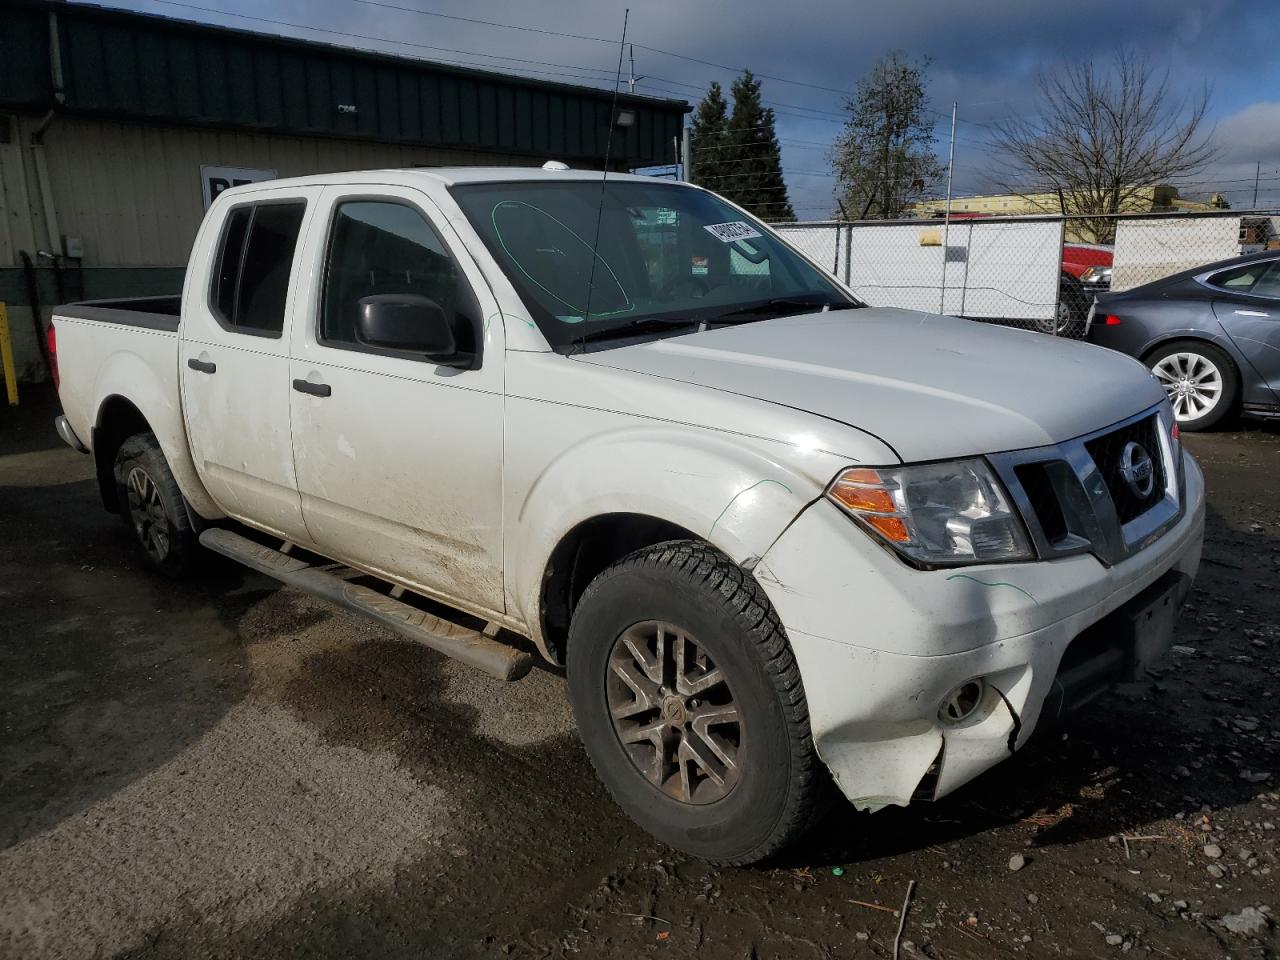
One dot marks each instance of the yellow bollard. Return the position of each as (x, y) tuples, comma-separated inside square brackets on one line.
[(6, 357)]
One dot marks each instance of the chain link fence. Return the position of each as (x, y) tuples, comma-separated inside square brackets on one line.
[(1038, 273)]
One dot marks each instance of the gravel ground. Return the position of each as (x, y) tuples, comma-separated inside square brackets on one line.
[(227, 768)]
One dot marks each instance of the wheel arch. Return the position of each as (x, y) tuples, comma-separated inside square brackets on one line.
[(585, 551), (118, 419)]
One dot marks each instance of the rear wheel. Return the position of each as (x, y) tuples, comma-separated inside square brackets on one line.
[(689, 702), (152, 506), (1200, 380)]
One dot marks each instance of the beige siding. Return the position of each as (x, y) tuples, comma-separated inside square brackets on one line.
[(131, 191)]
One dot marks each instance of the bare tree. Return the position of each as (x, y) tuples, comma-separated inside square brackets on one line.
[(1103, 135)]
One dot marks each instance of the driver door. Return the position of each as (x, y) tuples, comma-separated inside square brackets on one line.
[(398, 459)]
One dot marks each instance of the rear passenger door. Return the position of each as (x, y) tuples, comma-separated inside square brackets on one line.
[(234, 361), (399, 459), (1247, 304)]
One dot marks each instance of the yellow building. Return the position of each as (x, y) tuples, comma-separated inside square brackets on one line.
[(1160, 198)]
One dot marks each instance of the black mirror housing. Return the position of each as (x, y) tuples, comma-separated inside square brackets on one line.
[(413, 324)]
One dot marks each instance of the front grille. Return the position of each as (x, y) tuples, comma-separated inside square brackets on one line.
[(1036, 484), (1074, 496), (1108, 453)]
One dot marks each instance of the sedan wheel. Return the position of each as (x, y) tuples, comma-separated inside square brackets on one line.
[(1193, 382)]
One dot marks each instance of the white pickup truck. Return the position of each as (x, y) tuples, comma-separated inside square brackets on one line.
[(768, 531)]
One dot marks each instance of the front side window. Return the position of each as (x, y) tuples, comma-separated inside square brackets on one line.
[(666, 253), (255, 259), (381, 247)]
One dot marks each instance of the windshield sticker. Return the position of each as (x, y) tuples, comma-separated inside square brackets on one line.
[(731, 232), (701, 266)]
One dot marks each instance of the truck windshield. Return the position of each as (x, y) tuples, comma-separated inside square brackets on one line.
[(669, 260)]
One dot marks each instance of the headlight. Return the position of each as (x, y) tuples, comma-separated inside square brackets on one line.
[(941, 514), (1095, 274)]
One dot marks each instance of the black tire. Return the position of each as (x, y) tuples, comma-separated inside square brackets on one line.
[(1072, 308), (1229, 394), (780, 785), (152, 507)]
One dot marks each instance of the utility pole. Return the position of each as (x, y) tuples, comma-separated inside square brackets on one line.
[(946, 222), (632, 78), (686, 156), (1257, 172)]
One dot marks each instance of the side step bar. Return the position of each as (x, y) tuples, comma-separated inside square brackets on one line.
[(453, 640)]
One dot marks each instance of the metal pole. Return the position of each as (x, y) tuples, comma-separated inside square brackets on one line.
[(686, 156), (631, 80), (1257, 172), (946, 222)]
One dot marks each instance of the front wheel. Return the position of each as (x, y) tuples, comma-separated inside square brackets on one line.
[(152, 506), (688, 700), (1200, 380)]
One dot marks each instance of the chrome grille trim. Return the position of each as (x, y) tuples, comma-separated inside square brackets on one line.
[(1093, 525)]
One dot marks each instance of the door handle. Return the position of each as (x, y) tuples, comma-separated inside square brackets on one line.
[(1251, 313), (204, 366), (315, 389)]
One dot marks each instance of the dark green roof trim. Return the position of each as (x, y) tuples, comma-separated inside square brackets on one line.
[(126, 65)]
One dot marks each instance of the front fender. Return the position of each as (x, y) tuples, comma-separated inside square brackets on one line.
[(737, 493)]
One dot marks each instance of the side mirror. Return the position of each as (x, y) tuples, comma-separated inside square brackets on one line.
[(409, 322)]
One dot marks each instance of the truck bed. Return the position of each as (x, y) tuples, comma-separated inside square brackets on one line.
[(155, 313)]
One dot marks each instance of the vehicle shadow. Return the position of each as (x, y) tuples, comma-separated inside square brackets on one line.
[(106, 670)]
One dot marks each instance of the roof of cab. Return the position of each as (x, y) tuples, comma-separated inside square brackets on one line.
[(447, 176)]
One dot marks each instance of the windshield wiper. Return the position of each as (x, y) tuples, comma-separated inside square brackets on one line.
[(632, 328), (777, 307)]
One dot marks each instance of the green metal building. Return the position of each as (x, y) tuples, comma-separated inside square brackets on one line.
[(117, 127)]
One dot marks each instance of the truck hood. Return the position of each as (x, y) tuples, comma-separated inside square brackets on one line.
[(928, 386)]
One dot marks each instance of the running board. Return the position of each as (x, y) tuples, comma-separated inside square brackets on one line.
[(453, 640)]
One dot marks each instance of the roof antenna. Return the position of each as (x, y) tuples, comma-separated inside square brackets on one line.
[(608, 146)]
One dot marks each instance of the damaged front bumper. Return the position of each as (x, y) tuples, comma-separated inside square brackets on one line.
[(881, 646)]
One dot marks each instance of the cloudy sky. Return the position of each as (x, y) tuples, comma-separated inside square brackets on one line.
[(986, 55)]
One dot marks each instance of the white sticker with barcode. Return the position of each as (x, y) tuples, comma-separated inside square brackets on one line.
[(731, 232)]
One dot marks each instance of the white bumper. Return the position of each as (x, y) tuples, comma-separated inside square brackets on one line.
[(880, 644)]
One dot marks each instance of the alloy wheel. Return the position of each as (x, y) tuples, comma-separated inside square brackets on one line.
[(146, 510), (674, 713), (1193, 383)]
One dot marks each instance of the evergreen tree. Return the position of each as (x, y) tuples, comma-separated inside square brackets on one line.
[(754, 178), (708, 140)]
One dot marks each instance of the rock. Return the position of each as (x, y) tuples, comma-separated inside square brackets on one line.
[(1032, 899), (1183, 649), (1017, 862), (862, 935), (1114, 939), (1212, 851), (1154, 897), (1217, 871), (1260, 776), (1249, 922), (1180, 905), (1181, 772)]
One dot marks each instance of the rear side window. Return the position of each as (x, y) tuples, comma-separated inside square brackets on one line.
[(254, 263), (1239, 279), (381, 247)]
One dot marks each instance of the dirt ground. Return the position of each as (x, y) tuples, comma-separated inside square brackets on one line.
[(228, 768)]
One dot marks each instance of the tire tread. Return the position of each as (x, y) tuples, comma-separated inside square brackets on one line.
[(702, 565)]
